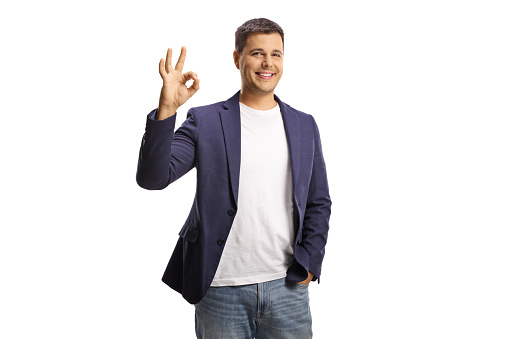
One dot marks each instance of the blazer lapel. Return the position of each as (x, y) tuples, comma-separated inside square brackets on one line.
[(292, 128), (230, 121)]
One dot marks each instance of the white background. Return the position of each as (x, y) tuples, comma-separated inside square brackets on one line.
[(411, 98)]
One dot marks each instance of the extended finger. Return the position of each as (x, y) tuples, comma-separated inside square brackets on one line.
[(180, 63), (168, 61), (162, 72)]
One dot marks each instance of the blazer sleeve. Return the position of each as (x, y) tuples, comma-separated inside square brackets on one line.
[(318, 210), (166, 155)]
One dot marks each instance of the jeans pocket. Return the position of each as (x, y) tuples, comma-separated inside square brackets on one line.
[(301, 285)]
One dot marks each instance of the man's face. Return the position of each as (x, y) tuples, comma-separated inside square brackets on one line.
[(261, 63)]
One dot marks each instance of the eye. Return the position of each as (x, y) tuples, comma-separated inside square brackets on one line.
[(257, 53), (276, 55)]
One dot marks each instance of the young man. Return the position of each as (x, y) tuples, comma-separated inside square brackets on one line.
[(257, 229)]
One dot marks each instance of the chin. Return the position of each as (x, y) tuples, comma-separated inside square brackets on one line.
[(266, 90)]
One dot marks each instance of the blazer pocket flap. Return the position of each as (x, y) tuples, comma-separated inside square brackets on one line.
[(189, 233)]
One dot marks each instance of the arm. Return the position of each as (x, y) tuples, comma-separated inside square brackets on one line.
[(164, 155), (318, 210)]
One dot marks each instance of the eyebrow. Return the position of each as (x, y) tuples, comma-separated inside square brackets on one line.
[(262, 50)]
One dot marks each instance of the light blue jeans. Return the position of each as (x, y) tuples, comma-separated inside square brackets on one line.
[(277, 309)]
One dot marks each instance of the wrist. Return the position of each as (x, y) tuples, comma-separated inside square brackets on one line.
[(165, 111)]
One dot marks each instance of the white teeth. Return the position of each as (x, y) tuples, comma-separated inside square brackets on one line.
[(265, 74)]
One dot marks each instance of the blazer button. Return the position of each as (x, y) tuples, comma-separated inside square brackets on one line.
[(220, 241), (231, 212)]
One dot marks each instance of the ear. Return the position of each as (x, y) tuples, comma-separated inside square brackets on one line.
[(236, 58)]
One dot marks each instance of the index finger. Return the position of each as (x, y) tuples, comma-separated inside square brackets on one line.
[(180, 63)]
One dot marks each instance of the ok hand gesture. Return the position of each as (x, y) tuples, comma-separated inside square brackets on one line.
[(174, 92)]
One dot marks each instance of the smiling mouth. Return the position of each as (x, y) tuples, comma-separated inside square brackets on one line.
[(264, 75)]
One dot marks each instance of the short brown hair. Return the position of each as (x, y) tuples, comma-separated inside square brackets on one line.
[(260, 25)]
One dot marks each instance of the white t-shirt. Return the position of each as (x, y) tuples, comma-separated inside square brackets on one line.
[(259, 247)]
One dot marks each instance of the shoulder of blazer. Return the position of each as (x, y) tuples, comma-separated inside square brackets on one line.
[(285, 107), (202, 111), (215, 107), (304, 118), (300, 114)]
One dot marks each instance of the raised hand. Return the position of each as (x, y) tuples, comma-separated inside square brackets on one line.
[(174, 92)]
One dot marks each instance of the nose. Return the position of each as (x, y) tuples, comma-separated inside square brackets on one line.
[(267, 61)]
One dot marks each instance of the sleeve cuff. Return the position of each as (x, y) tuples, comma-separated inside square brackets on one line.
[(156, 127)]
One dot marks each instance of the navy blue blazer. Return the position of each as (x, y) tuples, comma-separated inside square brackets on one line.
[(209, 140)]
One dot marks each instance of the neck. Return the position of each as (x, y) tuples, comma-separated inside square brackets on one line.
[(261, 102)]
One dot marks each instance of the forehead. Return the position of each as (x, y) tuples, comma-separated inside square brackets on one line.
[(265, 41)]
